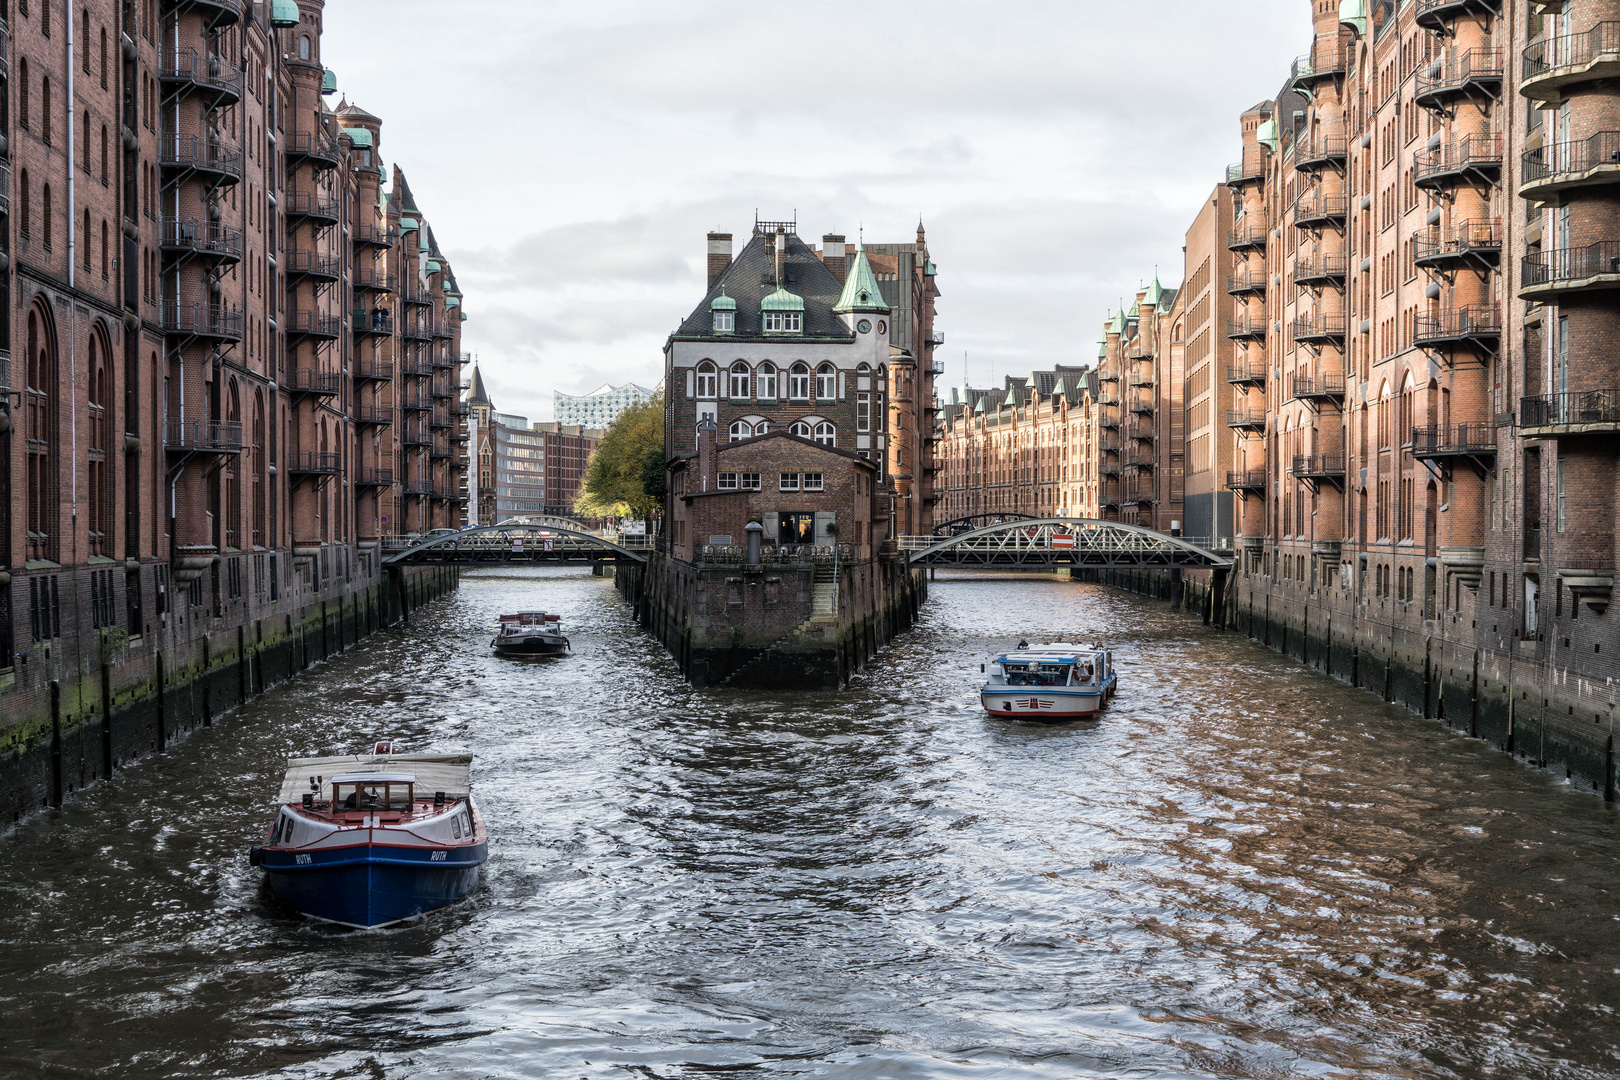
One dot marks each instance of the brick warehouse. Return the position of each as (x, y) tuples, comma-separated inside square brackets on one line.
[(1421, 406), (240, 371)]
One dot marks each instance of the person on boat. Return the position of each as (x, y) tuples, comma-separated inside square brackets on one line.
[(1023, 643)]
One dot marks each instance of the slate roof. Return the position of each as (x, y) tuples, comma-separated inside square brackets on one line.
[(476, 394), (752, 276)]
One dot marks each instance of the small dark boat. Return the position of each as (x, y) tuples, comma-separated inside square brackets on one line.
[(366, 841), (530, 633)]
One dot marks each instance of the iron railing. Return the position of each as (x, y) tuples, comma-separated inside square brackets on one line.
[(1464, 238), (310, 264), (1481, 151), (1246, 418), (315, 461), (315, 382), (374, 478), (1246, 328), (1319, 326), (1246, 480), (315, 145), (1571, 264), (1246, 373), (369, 277), (1320, 147), (188, 65), (1454, 439), (220, 436), (312, 323), (1564, 159), (309, 204), (1319, 267), (210, 320), (202, 237), (1314, 206), (1570, 409), (374, 235), (367, 413), (196, 152), (1329, 384), (1246, 280), (1571, 50), (1252, 167), (1469, 321), (1445, 77), (375, 321), (377, 370), (1318, 466), (1329, 57), (1249, 234)]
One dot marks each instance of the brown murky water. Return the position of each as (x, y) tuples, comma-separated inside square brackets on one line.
[(1245, 870)]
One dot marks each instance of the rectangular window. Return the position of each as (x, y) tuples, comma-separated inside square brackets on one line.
[(726, 481), (812, 481), (723, 321), (863, 412), (748, 481), (788, 481)]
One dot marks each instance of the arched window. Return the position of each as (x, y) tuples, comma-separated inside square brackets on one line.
[(256, 468), (762, 427), (740, 430), (766, 381), (45, 206), (826, 434), (303, 46), (103, 155), (708, 382), (39, 398), (103, 57), (45, 109), (84, 144), (25, 203), (87, 239), (23, 118), (233, 473), (104, 264), (826, 383), (97, 438), (801, 429), (799, 382), (740, 378)]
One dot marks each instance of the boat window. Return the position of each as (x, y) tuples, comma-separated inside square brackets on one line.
[(372, 796), (455, 826)]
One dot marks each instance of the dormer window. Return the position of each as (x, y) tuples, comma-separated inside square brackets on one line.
[(725, 322), (784, 322)]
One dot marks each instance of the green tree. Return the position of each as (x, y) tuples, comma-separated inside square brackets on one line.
[(626, 470)]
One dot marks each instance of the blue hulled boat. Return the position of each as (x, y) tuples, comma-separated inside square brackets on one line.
[(370, 840)]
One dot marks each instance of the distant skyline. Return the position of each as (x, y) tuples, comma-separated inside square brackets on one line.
[(572, 162)]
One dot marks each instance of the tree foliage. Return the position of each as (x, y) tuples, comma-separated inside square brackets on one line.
[(627, 470)]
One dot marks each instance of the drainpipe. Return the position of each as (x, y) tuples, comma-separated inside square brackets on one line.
[(73, 307)]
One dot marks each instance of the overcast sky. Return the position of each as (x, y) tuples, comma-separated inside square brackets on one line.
[(571, 156)]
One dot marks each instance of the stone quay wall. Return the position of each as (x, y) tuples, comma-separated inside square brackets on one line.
[(94, 705), (772, 626), (1513, 693)]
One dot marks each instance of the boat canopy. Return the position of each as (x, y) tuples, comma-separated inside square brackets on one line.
[(449, 773)]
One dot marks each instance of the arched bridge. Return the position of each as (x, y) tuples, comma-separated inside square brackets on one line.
[(1046, 543), (958, 526), (509, 543)]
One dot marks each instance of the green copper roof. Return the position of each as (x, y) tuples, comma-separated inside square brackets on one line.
[(726, 303), (452, 302), (782, 300), (980, 406), (1057, 389), (929, 269), (1354, 13), (433, 266), (1116, 325), (1155, 292), (358, 136), (328, 81), (408, 225), (861, 292), (284, 13), (463, 316), (1102, 350), (1266, 135)]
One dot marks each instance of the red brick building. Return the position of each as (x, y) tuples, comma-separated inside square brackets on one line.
[(236, 342)]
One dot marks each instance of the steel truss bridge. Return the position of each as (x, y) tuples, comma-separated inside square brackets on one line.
[(537, 541), (1050, 543)]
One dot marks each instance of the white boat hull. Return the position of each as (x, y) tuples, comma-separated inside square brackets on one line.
[(1049, 704)]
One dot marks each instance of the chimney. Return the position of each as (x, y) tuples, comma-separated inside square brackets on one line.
[(706, 432), (719, 255), (781, 257), (834, 255)]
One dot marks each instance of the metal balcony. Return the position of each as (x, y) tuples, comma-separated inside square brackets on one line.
[(1315, 389), (1475, 75), (372, 279), (310, 264), (1328, 59), (202, 436), (314, 463), (1474, 443), (1317, 469), (416, 366), (1251, 329), (1473, 157), (373, 371), (311, 324), (315, 383), (413, 436), (373, 415), (215, 321), (1320, 150), (182, 155), (1142, 405), (205, 239), (187, 69), (1318, 270), (1474, 324), (374, 478), (380, 236), (1142, 461), (1248, 236), (375, 322), (1246, 282), (1247, 374), (1323, 328), (416, 329), (442, 330), (1578, 412), (1552, 65), (1246, 420), (443, 361), (1567, 271), (1439, 14), (1476, 244), (1251, 169), (217, 14), (1247, 481), (416, 403), (316, 147), (1549, 172), (310, 206), (412, 293), (1142, 380), (1315, 210)]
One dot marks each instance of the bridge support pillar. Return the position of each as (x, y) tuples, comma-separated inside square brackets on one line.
[(1215, 607), (1175, 590)]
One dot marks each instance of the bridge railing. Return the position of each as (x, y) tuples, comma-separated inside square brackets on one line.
[(777, 554)]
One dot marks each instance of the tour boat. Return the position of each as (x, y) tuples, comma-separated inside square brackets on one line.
[(369, 840), (530, 633), (1050, 683)]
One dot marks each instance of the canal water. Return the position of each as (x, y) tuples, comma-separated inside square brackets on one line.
[(1245, 870)]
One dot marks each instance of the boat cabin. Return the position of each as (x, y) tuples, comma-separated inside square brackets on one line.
[(529, 618), (1047, 672), (371, 793)]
